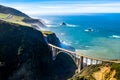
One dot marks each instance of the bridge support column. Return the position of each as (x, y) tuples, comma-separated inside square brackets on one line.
[(77, 61), (91, 61), (80, 64), (97, 62), (86, 61), (74, 57), (54, 53)]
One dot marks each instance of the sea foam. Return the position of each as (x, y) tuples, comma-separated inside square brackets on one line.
[(115, 36), (71, 25)]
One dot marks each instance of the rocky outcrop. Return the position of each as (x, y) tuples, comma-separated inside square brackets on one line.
[(53, 39)]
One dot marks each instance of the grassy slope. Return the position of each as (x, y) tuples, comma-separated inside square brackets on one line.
[(46, 32), (2, 16), (13, 19)]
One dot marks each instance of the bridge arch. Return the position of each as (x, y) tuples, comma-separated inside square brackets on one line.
[(72, 56), (65, 54)]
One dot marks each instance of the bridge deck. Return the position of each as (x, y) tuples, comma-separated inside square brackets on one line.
[(78, 55)]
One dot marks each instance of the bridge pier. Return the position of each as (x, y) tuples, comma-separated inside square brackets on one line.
[(54, 53), (77, 61), (73, 57), (80, 64), (97, 62), (86, 61), (91, 61)]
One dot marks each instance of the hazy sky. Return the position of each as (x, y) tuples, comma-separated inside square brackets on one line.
[(63, 7)]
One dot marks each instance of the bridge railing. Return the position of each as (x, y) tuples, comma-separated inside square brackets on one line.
[(80, 59)]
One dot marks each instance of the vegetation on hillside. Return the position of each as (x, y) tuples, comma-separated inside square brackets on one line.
[(106, 71), (3, 16), (46, 32), (13, 19)]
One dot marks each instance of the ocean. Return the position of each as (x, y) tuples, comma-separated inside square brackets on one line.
[(95, 35)]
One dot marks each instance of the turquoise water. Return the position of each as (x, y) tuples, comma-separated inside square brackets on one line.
[(102, 42)]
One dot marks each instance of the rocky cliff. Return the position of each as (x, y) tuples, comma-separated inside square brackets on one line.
[(51, 38), (106, 71)]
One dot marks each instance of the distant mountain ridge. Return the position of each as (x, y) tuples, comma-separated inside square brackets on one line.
[(12, 11)]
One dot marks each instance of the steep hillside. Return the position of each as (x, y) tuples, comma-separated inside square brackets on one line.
[(15, 16), (23, 48)]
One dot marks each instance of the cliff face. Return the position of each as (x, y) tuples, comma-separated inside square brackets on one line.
[(52, 39)]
